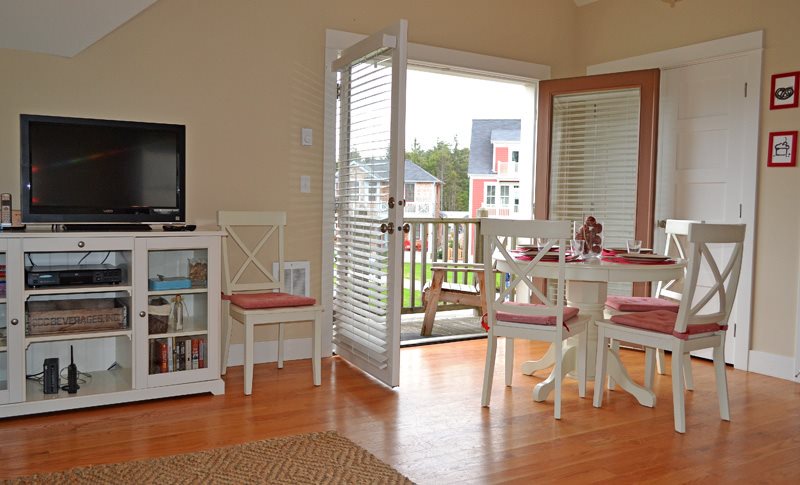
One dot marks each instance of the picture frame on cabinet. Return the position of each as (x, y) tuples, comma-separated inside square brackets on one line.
[(782, 149), (783, 90)]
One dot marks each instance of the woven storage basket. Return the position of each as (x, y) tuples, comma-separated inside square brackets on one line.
[(157, 315)]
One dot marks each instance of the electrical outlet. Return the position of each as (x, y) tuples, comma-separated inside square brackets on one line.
[(306, 136)]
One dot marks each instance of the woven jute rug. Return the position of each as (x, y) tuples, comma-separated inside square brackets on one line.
[(308, 458)]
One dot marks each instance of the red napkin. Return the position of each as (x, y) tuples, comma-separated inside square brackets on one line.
[(616, 259)]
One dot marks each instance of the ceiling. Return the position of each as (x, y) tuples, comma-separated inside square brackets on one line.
[(62, 27)]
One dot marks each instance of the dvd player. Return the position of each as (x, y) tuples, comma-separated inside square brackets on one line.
[(88, 274)]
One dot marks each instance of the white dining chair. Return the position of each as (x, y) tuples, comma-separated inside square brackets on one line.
[(667, 297), (253, 295), (701, 321), (549, 321)]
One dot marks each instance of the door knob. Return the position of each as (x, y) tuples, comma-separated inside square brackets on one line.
[(387, 227), (14, 321), (662, 223), (406, 228), (142, 314)]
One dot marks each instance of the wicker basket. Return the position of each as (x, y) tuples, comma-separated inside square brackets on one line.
[(157, 315)]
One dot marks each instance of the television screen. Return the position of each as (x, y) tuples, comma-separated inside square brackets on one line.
[(82, 170)]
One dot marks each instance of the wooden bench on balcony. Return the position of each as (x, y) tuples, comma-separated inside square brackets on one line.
[(452, 292)]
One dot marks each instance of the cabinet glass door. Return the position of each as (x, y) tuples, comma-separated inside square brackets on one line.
[(12, 377), (178, 321), (3, 330)]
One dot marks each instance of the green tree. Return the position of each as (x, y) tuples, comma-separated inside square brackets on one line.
[(448, 163)]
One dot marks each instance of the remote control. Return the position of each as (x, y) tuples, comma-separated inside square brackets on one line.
[(179, 227)]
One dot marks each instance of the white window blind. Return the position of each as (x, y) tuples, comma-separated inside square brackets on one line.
[(362, 180), (594, 160)]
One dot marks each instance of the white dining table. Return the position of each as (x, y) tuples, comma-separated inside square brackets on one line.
[(587, 289)]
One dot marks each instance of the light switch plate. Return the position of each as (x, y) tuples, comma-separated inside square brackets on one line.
[(305, 184), (306, 136)]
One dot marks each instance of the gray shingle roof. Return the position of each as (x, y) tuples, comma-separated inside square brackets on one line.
[(415, 173), (480, 146), (504, 135)]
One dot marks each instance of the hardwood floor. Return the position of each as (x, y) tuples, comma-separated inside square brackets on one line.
[(433, 430)]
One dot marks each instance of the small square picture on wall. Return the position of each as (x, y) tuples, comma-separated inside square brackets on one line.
[(784, 90), (782, 149)]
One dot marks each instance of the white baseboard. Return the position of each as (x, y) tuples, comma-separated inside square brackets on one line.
[(773, 365), (293, 349)]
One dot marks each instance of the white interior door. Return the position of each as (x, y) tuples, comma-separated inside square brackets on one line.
[(368, 238), (704, 117)]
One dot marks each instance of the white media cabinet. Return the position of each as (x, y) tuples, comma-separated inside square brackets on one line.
[(119, 365)]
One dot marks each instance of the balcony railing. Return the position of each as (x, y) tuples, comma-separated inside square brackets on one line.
[(437, 240)]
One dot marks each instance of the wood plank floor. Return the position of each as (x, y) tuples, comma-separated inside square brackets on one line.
[(433, 430)]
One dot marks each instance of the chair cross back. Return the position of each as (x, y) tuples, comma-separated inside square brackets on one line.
[(725, 281), (674, 230), (273, 222), (523, 275)]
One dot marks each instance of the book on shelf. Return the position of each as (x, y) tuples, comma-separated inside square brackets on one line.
[(195, 353), (186, 344), (164, 357), (170, 356), (175, 354)]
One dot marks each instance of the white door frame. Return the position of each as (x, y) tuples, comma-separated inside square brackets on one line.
[(420, 55), (751, 46)]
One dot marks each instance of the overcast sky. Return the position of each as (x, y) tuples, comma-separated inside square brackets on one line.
[(441, 106)]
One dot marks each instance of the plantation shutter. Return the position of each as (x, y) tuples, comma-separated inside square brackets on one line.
[(593, 163), (369, 171)]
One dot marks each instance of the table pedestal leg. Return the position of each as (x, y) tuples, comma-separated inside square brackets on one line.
[(617, 371), (544, 388), (547, 360)]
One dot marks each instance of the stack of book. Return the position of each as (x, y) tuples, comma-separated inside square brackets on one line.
[(2, 281), (177, 354)]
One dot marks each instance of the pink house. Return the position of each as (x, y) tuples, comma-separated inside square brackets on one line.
[(494, 167)]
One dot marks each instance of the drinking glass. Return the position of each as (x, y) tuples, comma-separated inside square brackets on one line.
[(577, 246), (634, 245)]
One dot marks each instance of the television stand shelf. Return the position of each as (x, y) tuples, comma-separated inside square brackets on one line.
[(104, 227), (138, 360)]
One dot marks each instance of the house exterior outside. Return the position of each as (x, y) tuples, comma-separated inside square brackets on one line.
[(493, 170), (423, 192)]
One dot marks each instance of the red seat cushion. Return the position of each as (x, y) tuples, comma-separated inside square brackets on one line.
[(641, 304), (569, 313), (663, 321), (253, 301)]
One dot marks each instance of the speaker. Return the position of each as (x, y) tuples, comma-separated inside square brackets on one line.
[(51, 379)]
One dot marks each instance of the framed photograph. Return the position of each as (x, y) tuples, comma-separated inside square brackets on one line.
[(782, 149), (784, 90)]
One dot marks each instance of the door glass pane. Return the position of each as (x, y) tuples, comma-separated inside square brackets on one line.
[(594, 161), (361, 250)]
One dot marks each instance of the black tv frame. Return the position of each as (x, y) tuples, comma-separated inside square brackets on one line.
[(101, 216)]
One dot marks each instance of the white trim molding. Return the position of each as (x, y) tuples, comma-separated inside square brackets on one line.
[(683, 56), (773, 365)]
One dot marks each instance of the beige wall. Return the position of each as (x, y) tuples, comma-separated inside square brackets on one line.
[(616, 29), (245, 76)]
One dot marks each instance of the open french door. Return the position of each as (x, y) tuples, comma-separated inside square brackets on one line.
[(368, 219)]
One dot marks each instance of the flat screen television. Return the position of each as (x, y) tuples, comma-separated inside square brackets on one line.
[(78, 170)]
